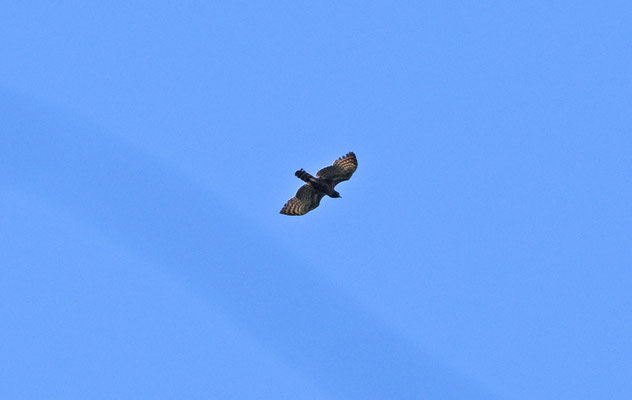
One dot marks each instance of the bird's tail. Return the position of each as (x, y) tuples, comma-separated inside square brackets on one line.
[(304, 176)]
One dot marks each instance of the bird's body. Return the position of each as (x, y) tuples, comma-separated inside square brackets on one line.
[(319, 184), (309, 195)]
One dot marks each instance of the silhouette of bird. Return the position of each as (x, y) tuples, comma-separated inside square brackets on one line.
[(309, 195)]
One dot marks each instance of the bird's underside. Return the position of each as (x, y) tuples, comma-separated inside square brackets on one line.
[(309, 195)]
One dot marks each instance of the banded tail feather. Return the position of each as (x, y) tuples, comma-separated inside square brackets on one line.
[(304, 176)]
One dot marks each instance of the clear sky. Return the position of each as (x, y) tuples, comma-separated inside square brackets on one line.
[(482, 250)]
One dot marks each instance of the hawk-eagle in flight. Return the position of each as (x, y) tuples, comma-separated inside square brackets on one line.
[(308, 196)]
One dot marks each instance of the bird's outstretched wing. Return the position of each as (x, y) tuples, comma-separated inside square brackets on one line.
[(341, 170), (307, 198)]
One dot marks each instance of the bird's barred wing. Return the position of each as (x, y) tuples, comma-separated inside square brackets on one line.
[(342, 169), (306, 199)]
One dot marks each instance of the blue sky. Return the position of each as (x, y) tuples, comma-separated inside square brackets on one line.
[(482, 250)]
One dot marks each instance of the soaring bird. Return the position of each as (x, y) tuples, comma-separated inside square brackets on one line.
[(308, 196)]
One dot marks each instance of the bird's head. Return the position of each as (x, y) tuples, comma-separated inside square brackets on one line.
[(335, 194)]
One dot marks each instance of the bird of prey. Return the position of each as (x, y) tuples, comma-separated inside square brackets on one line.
[(309, 195)]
